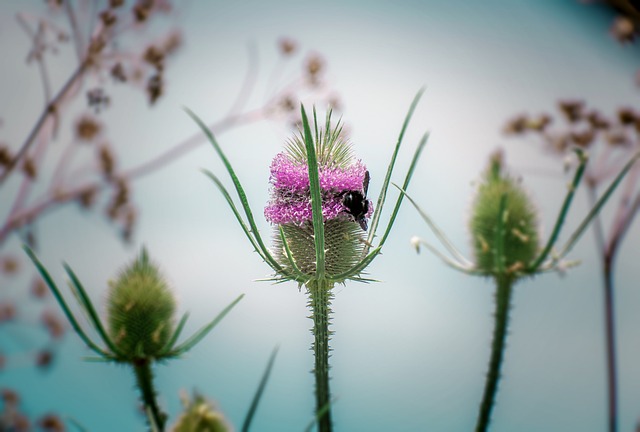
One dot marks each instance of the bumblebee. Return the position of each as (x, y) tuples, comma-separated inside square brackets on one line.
[(357, 204)]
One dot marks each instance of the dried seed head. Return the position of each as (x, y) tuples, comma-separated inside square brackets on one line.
[(107, 161), (51, 423), (108, 18), (118, 73), (597, 121), (10, 397), (5, 155), (287, 46), (39, 289), (7, 311), (540, 123), (29, 168), (9, 265), (626, 116), (572, 110), (623, 29), (154, 56), (54, 325), (140, 310), (44, 359), (345, 208), (583, 139), (98, 99), (155, 87), (87, 128), (142, 10), (516, 125), (519, 243), (87, 198)]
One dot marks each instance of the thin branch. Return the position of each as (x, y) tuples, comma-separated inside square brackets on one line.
[(50, 110), (77, 35), (249, 81)]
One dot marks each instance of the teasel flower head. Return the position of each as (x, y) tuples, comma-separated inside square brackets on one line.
[(343, 182), (325, 223)]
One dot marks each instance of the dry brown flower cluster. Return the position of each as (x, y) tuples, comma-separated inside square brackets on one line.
[(625, 27)]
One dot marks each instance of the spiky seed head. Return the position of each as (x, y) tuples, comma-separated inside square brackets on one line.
[(140, 310), (520, 227), (200, 415), (290, 204)]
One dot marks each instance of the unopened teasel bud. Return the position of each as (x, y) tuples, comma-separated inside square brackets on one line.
[(140, 310), (520, 240)]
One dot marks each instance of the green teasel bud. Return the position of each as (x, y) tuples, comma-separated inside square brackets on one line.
[(140, 310), (200, 415), (517, 245)]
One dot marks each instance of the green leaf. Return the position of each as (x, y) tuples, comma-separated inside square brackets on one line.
[(197, 337), (405, 186), (385, 185), (63, 304), (597, 207), (176, 334), (91, 311), (457, 255), (240, 191), (358, 268), (316, 198), (259, 391), (563, 211), (321, 413), (264, 254), (299, 275)]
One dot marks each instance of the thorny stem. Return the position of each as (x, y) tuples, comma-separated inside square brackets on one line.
[(320, 296), (504, 285), (144, 380)]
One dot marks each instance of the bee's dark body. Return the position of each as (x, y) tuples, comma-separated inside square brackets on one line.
[(357, 204)]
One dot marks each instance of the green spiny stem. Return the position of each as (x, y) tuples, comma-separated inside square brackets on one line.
[(144, 380), (320, 296), (504, 285)]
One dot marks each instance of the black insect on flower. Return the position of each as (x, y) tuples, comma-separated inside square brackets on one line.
[(357, 204)]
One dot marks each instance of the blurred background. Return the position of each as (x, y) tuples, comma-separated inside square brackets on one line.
[(116, 165)]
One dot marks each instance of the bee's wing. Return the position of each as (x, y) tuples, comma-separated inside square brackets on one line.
[(365, 183)]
